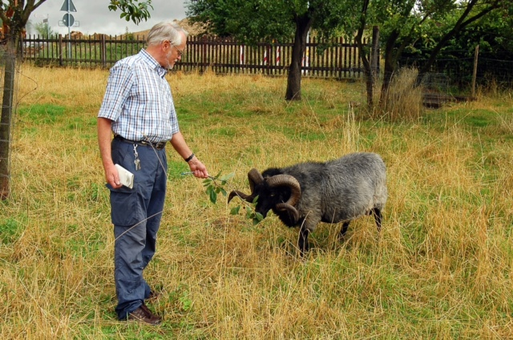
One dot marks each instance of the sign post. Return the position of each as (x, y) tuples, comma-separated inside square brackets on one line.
[(68, 20)]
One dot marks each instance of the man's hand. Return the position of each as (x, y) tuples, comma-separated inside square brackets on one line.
[(112, 176), (198, 169)]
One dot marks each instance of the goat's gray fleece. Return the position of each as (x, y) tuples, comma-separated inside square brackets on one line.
[(336, 191)]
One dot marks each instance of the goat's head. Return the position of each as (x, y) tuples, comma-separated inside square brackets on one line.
[(279, 192)]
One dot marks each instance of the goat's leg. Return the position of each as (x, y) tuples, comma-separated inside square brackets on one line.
[(303, 240), (377, 216), (343, 231)]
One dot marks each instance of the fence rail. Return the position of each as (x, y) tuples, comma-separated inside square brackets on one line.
[(339, 58)]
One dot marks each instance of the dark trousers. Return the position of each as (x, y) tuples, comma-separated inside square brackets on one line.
[(136, 215)]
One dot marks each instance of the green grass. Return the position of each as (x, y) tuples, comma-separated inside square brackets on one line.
[(42, 114), (440, 268)]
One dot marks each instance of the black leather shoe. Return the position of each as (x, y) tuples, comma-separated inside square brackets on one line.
[(143, 314)]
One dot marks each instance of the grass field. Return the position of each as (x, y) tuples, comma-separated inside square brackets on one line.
[(441, 268)]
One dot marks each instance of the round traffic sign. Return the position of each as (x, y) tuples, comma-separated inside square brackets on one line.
[(68, 20)]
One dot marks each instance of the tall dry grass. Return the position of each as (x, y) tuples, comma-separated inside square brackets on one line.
[(440, 269)]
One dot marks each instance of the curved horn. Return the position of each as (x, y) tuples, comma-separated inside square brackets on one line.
[(254, 178), (289, 181), (248, 198), (291, 210)]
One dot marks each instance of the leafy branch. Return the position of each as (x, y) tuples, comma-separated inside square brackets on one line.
[(132, 10), (215, 185), (250, 211)]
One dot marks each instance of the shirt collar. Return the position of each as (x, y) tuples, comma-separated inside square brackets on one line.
[(152, 63)]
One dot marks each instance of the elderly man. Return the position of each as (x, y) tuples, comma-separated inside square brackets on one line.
[(138, 109)]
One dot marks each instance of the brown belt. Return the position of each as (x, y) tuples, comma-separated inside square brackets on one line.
[(158, 145)]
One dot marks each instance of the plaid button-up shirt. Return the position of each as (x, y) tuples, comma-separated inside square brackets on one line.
[(138, 100)]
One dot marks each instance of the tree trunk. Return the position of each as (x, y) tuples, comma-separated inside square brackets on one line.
[(303, 25), (367, 70), (390, 64), (7, 113)]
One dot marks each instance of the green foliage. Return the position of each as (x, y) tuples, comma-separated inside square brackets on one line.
[(185, 301), (253, 20), (215, 185), (42, 113), (10, 230), (249, 21), (251, 213), (132, 10), (43, 29), (493, 33)]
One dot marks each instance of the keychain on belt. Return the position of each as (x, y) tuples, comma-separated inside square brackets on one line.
[(137, 161)]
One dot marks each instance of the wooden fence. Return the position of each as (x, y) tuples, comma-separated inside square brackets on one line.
[(339, 59)]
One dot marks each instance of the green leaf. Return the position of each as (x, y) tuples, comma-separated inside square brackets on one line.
[(235, 211), (132, 9), (257, 218), (214, 188), (213, 197), (225, 178)]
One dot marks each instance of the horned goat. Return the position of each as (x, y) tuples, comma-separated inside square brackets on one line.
[(305, 194)]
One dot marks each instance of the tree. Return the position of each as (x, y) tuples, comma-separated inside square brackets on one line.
[(493, 34), (43, 29), (470, 12), (253, 20), (14, 15), (403, 22)]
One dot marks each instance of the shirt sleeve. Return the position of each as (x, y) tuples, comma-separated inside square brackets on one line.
[(173, 119), (119, 85)]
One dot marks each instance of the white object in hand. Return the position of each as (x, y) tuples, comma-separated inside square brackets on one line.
[(125, 177)]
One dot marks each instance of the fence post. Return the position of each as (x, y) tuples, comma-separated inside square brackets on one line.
[(60, 50), (204, 54), (103, 51)]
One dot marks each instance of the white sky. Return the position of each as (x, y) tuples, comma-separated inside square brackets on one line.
[(93, 16)]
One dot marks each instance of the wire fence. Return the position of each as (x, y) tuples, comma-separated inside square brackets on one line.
[(460, 69)]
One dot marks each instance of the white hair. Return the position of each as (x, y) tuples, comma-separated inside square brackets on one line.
[(166, 31)]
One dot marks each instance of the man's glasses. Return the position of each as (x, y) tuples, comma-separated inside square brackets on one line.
[(180, 53)]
